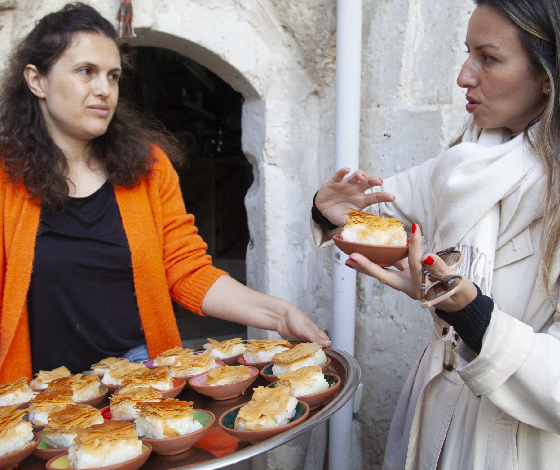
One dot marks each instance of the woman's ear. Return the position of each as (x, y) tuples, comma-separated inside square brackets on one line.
[(34, 80), (546, 86)]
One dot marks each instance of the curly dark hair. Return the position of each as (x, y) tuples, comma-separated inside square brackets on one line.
[(30, 155)]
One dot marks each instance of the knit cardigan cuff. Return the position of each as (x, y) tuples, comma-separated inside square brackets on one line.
[(471, 321)]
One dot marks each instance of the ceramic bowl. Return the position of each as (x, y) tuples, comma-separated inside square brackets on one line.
[(178, 386), (222, 392), (230, 361), (62, 462), (95, 400), (381, 255), (256, 365), (177, 445), (227, 421), (106, 413), (48, 452), (268, 375), (187, 378), (20, 405), (38, 427), (13, 458), (315, 400)]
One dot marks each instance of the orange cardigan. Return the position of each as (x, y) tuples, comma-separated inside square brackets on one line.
[(168, 257)]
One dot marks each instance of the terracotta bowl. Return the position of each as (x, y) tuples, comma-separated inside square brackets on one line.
[(176, 445), (38, 427), (187, 378), (21, 405), (47, 454), (95, 400), (222, 392), (230, 361), (315, 400), (227, 421), (268, 375), (256, 365), (106, 413), (13, 458), (112, 388), (178, 386), (62, 462), (381, 255)]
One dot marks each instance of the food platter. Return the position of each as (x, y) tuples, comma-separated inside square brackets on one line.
[(217, 449)]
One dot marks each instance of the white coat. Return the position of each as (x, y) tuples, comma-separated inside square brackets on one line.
[(499, 410)]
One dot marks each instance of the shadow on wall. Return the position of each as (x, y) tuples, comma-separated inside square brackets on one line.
[(204, 113)]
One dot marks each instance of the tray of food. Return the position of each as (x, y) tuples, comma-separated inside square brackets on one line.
[(195, 409)]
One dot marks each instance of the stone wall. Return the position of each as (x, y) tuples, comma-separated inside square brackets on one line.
[(281, 54)]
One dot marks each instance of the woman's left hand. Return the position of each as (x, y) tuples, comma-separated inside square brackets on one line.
[(408, 276)]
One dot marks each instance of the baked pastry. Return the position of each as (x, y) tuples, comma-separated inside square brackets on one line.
[(168, 357), (268, 408), (301, 355), (260, 350), (158, 378), (115, 376), (363, 227), (227, 375), (15, 393), (225, 349), (106, 444), (44, 377), (192, 364), (84, 387), (50, 400), (15, 433), (122, 404), (108, 363), (167, 418), (64, 424), (304, 381)]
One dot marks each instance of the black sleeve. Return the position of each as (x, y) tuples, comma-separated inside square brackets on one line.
[(319, 218), (471, 321)]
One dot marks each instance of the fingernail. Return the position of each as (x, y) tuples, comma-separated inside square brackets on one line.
[(349, 265), (407, 241), (353, 260), (429, 261), (381, 180), (413, 227)]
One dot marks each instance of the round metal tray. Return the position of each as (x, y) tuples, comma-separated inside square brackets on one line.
[(342, 364)]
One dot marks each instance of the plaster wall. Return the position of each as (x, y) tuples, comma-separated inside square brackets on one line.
[(280, 54)]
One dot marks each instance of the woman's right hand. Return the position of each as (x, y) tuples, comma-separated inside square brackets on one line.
[(340, 195)]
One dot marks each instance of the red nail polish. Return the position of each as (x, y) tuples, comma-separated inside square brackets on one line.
[(353, 260), (413, 227), (407, 241), (349, 265), (429, 261)]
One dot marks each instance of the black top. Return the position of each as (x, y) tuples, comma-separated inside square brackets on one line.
[(81, 301)]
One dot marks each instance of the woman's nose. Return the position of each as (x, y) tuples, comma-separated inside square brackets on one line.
[(101, 87), (467, 76)]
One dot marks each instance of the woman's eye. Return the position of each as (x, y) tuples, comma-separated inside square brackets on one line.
[(488, 58), (85, 71), (114, 77)]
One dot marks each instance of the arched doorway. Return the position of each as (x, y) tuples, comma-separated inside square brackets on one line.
[(204, 113)]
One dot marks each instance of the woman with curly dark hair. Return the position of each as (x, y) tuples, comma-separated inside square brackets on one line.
[(95, 236)]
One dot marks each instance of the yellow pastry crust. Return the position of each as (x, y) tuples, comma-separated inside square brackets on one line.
[(297, 353)]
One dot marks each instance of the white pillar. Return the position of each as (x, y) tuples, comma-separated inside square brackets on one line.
[(347, 144)]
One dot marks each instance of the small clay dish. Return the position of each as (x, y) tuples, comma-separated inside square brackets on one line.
[(62, 462), (13, 458), (383, 256), (106, 413), (112, 388), (38, 427), (315, 400), (230, 361), (95, 400), (222, 392), (266, 372), (227, 421), (256, 365), (187, 378), (178, 386), (179, 444)]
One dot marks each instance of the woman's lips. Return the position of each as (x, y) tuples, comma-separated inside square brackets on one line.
[(471, 105), (99, 110)]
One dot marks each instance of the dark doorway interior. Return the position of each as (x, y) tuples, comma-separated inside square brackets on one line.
[(204, 113)]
